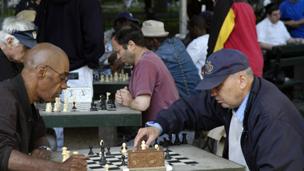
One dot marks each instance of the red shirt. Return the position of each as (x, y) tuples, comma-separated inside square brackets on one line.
[(150, 76)]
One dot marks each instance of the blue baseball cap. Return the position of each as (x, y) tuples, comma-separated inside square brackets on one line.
[(127, 15), (220, 65), (27, 38)]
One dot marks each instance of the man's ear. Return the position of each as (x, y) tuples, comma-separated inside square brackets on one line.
[(41, 71), (131, 45), (9, 41), (243, 78)]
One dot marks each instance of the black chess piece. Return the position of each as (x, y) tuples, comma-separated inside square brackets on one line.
[(123, 162), (103, 159), (74, 108), (167, 154), (184, 140), (91, 150), (102, 102), (108, 151), (177, 141), (93, 107)]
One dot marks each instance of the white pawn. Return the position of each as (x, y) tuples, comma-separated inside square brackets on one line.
[(143, 145), (48, 107), (102, 79), (115, 77), (106, 167), (156, 147)]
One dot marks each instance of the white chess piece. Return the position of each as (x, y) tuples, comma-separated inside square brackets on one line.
[(48, 107), (101, 142), (66, 104), (57, 105), (102, 78), (143, 145), (106, 167), (156, 147), (108, 95), (124, 149), (115, 77)]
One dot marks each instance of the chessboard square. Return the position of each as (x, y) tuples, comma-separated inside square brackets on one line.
[(90, 162), (181, 158), (113, 160), (191, 162), (96, 167), (174, 154), (177, 164)]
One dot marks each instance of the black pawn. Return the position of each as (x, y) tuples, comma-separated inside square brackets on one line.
[(108, 151), (74, 108), (167, 155), (103, 159), (177, 141), (91, 150), (184, 141), (123, 162), (170, 139)]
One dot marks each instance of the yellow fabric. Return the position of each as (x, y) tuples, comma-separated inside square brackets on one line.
[(225, 31)]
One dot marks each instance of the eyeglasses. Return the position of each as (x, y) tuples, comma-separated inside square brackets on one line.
[(63, 76)]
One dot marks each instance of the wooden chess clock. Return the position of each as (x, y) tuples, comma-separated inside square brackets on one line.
[(146, 159)]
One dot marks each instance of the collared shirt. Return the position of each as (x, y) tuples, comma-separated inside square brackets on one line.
[(235, 133)]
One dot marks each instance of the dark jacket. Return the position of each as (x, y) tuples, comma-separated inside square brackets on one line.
[(75, 26), (20, 123), (273, 136), (8, 69), (173, 53)]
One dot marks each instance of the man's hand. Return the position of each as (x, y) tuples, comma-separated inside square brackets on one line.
[(75, 163), (149, 134), (41, 154), (126, 97)]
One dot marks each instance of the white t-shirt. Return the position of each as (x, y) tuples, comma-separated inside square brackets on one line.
[(274, 34), (197, 49)]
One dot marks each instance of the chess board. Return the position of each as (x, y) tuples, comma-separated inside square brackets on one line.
[(114, 161)]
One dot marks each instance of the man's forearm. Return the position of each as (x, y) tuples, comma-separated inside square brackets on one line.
[(19, 161)]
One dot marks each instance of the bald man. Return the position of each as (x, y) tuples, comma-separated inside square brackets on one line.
[(22, 130)]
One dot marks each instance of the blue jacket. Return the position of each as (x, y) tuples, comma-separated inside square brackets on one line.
[(179, 63), (273, 135)]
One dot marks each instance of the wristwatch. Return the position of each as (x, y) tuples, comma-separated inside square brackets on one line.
[(44, 147)]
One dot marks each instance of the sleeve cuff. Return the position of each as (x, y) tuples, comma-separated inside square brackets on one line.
[(155, 125)]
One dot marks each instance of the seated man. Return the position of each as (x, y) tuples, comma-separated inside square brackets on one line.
[(264, 129), (16, 37), (292, 13), (22, 130), (271, 31), (151, 86), (173, 53)]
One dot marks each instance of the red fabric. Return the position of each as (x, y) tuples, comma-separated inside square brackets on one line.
[(150, 76), (244, 36)]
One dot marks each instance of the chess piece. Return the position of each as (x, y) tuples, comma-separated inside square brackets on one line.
[(91, 150), (65, 104), (115, 77), (93, 106), (107, 78), (106, 167), (126, 77), (170, 139), (102, 102), (177, 141), (156, 147), (65, 154), (108, 153), (103, 159), (167, 154), (48, 107), (143, 145), (110, 78), (102, 147), (57, 105), (74, 108), (124, 149), (184, 140), (123, 162), (102, 78), (108, 102)]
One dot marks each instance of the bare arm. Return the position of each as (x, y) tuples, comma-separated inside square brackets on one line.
[(19, 161), (293, 23), (140, 103)]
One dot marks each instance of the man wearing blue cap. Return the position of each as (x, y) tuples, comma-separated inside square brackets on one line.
[(261, 123), (16, 37)]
